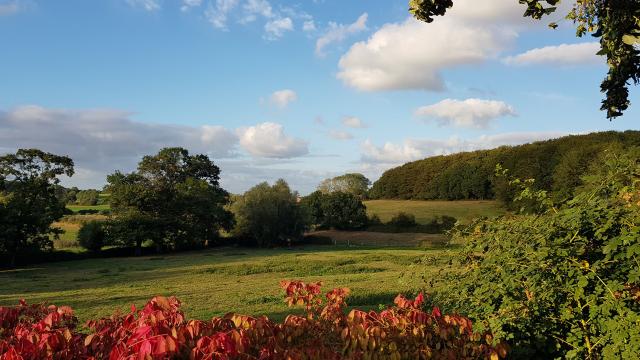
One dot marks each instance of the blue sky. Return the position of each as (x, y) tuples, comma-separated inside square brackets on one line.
[(301, 90)]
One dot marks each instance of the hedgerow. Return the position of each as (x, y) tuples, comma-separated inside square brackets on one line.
[(559, 280), (326, 331)]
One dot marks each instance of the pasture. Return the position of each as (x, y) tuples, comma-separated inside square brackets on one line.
[(217, 281), (424, 211), (76, 208)]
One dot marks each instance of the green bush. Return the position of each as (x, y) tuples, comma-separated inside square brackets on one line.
[(374, 220), (87, 197), (91, 235), (335, 210), (403, 220), (269, 215), (560, 281)]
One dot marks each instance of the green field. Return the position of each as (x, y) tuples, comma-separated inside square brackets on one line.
[(217, 281), (424, 211), (76, 208)]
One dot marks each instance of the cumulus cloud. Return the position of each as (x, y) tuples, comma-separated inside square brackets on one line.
[(253, 8), (339, 32), (353, 122), (188, 4), (412, 54), (275, 29), (282, 98), (391, 154), (564, 54), (269, 140), (469, 113), (340, 135), (147, 5), (103, 140), (217, 15)]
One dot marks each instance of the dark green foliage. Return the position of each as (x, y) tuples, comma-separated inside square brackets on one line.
[(343, 211), (269, 215), (174, 200), (87, 197), (406, 223), (336, 210), (556, 165), (614, 22), (403, 220), (563, 279), (91, 235), (28, 200), (66, 195)]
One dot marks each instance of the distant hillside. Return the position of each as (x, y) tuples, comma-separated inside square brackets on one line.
[(556, 165)]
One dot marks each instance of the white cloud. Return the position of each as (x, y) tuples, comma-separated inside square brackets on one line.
[(309, 26), (412, 54), (564, 54), (269, 140), (275, 29), (339, 32), (217, 15), (253, 8), (282, 98), (103, 140), (148, 5), (469, 113), (390, 154), (340, 135), (353, 122), (188, 4)]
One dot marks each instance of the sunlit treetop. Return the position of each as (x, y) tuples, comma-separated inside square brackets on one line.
[(616, 23)]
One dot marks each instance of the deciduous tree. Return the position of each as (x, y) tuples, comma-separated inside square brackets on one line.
[(28, 201), (173, 199)]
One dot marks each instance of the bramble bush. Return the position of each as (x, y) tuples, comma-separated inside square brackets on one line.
[(558, 280), (160, 331)]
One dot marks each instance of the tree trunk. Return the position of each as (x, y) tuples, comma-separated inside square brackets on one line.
[(12, 260), (138, 248)]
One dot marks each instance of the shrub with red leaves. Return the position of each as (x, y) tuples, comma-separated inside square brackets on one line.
[(160, 331)]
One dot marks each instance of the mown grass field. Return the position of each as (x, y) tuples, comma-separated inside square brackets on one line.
[(424, 211), (76, 208), (217, 281)]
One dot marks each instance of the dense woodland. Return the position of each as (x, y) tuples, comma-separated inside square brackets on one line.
[(556, 165)]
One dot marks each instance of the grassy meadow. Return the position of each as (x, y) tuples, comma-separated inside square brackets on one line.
[(424, 211), (217, 281), (76, 208)]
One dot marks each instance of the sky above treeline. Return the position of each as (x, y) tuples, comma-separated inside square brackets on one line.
[(300, 90)]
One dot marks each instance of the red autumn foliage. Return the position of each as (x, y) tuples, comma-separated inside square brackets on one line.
[(160, 331)]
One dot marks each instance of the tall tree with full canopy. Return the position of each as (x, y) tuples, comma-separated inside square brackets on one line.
[(354, 183), (173, 199), (616, 23), (28, 200)]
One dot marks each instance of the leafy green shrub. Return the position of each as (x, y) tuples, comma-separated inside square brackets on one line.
[(562, 281), (91, 235), (374, 220), (336, 210), (403, 220), (269, 215)]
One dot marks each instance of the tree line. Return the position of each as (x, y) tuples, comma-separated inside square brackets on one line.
[(556, 166), (172, 201)]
